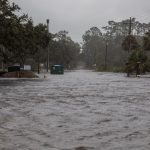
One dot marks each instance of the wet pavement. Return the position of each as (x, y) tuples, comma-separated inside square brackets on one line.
[(80, 110)]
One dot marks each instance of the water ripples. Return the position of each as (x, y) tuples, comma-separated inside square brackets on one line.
[(81, 110)]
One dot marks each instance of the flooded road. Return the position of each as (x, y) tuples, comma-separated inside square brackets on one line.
[(80, 110)]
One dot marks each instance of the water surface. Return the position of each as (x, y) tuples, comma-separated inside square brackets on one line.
[(80, 110)]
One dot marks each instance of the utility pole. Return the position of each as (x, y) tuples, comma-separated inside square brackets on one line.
[(47, 21), (130, 26), (106, 55), (129, 35), (130, 30)]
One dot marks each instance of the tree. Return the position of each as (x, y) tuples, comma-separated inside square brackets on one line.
[(130, 43), (19, 38), (10, 29), (146, 41), (92, 46), (41, 41), (137, 62), (63, 50)]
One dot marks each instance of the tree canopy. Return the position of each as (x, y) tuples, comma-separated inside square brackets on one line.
[(21, 40)]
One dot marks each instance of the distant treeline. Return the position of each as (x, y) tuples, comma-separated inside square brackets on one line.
[(112, 46), (108, 48)]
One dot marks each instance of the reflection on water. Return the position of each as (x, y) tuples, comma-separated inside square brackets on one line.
[(79, 110)]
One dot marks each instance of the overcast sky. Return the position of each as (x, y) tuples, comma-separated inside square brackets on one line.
[(77, 16)]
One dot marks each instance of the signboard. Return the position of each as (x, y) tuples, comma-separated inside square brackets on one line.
[(27, 67)]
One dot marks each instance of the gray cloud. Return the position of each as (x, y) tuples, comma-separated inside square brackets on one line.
[(77, 16)]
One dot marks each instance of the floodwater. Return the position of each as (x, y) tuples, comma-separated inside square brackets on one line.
[(80, 110)]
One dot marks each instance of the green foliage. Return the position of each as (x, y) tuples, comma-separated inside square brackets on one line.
[(137, 62), (146, 41), (21, 41), (116, 35), (138, 56), (64, 51), (11, 32), (130, 43), (93, 43)]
